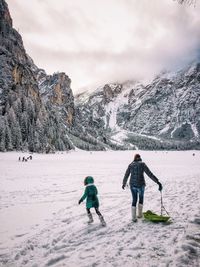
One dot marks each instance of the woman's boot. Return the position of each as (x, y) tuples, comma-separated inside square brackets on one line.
[(133, 212), (140, 207)]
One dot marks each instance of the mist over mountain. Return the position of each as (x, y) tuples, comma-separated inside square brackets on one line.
[(98, 42)]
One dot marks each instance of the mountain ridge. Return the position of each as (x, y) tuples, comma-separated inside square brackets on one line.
[(39, 113), (166, 109)]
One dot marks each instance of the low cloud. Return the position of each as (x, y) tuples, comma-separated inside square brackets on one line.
[(97, 42)]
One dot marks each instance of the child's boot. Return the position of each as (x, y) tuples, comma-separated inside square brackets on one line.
[(140, 207), (90, 218), (133, 212), (102, 220)]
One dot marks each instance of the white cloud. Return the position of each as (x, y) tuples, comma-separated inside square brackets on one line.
[(96, 42)]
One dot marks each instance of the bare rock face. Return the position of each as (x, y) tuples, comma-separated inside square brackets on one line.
[(30, 119), (15, 66), (6, 21), (56, 92), (110, 91)]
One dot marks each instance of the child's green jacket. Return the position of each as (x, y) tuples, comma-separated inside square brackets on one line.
[(90, 195)]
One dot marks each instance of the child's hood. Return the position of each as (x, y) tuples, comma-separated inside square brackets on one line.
[(89, 180)]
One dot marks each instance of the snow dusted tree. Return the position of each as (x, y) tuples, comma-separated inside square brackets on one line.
[(24, 126), (41, 139), (8, 138), (5, 135), (4, 101), (17, 107), (51, 133), (31, 141), (15, 130), (31, 111), (11, 117), (2, 134), (59, 144), (16, 136), (36, 146), (27, 124), (24, 101)]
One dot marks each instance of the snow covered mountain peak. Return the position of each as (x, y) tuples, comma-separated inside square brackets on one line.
[(167, 109)]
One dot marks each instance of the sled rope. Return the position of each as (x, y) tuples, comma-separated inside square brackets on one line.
[(162, 206)]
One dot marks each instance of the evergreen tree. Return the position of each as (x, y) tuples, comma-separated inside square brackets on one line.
[(31, 112), (17, 107), (41, 139), (37, 147), (16, 136), (31, 141), (2, 134), (24, 126), (15, 130), (8, 138)]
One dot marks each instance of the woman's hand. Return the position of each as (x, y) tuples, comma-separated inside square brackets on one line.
[(160, 186)]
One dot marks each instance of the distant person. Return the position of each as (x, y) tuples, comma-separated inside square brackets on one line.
[(23, 159), (137, 183), (92, 201), (19, 159)]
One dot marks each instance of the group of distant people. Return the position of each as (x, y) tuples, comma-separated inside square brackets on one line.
[(24, 159)]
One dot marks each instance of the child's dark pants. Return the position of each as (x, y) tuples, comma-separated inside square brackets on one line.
[(97, 211)]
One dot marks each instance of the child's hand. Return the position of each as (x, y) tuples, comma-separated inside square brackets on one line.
[(79, 202)]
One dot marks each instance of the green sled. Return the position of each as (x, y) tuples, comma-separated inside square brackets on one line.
[(153, 217)]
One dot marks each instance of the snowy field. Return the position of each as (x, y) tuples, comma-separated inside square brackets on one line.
[(41, 223)]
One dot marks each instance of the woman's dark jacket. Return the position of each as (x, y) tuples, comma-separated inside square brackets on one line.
[(137, 169)]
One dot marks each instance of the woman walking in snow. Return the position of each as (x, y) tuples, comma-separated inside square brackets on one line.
[(137, 183), (92, 201)]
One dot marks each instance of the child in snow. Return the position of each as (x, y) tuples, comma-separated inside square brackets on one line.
[(92, 199)]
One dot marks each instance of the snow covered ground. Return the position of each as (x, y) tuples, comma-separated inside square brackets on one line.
[(41, 223)]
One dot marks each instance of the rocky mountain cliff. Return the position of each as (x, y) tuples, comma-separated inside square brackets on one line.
[(161, 115), (29, 118), (37, 110)]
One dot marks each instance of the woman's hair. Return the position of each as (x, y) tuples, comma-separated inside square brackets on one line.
[(137, 157)]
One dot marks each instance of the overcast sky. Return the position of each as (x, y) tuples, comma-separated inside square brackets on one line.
[(101, 41)]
